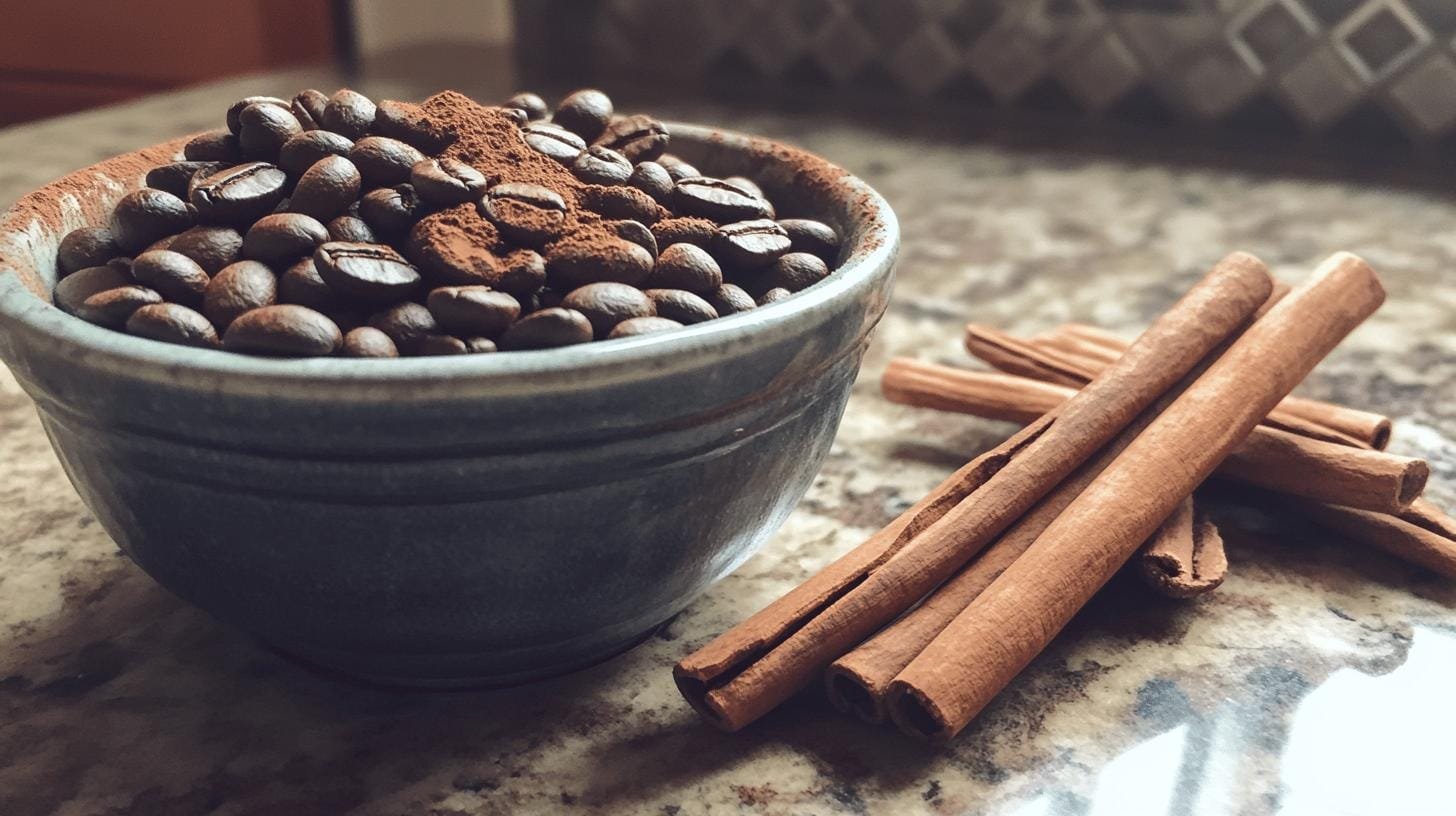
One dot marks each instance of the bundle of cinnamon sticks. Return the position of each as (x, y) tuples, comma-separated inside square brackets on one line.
[(926, 621)]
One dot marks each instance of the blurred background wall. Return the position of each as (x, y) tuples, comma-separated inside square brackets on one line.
[(1346, 71)]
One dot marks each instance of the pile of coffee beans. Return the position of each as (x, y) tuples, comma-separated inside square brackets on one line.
[(335, 225)]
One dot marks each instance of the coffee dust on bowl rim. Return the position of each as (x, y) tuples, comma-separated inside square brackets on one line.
[(483, 519)]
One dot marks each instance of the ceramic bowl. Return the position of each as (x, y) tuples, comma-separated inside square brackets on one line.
[(447, 521)]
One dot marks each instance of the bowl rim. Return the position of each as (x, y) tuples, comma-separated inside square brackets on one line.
[(870, 258)]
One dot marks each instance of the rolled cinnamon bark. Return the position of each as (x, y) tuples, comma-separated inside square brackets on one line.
[(1185, 557), (1403, 537), (1269, 458), (858, 681), (1015, 356), (1370, 428), (1428, 516), (1018, 615), (739, 677)]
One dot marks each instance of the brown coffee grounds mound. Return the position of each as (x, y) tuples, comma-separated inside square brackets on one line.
[(487, 139)]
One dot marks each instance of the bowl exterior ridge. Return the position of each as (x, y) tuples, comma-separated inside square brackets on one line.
[(437, 521)]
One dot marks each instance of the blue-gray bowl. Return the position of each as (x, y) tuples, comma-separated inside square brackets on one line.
[(445, 521)]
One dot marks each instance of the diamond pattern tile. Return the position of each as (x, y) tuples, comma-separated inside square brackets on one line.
[(1321, 87), (1101, 73), (925, 61), (1379, 38), (1425, 97), (1364, 66)]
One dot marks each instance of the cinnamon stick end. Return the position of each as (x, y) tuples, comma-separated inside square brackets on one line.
[(852, 694), (696, 691), (915, 714), (1380, 434), (1413, 481)]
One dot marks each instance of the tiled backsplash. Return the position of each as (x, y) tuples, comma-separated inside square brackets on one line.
[(1386, 67)]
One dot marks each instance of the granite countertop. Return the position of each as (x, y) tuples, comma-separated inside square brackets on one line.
[(1315, 681)]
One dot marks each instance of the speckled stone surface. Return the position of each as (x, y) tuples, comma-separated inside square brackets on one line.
[(1315, 681)]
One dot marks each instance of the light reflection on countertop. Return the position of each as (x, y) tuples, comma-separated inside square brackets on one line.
[(1315, 681)]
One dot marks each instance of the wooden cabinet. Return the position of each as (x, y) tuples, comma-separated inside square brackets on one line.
[(64, 55)]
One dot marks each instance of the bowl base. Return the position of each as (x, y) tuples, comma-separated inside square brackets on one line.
[(459, 676)]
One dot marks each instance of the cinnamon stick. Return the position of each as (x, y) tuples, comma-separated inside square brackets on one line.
[(1404, 536), (1370, 428), (859, 681), (1269, 458), (739, 677), (1053, 365), (1018, 615), (1185, 557)]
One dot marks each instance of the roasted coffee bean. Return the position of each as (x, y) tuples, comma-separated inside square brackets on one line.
[(177, 277), (264, 129), (308, 107), (696, 231), (145, 215), (383, 161), (751, 244), (635, 232), (301, 152), (533, 105), (405, 323), (284, 330), (573, 264), (211, 247), (164, 242), (239, 195), (517, 116), (302, 285), (439, 345), (175, 178), (794, 271), (677, 168), (238, 288), (682, 306), (214, 146), (526, 214), (521, 271), (460, 263), (444, 182), (391, 211), (548, 328), (349, 114), (607, 304), (480, 345), (602, 165), (731, 299), (585, 112), (638, 326), (367, 341), (74, 288), (351, 228), (774, 296), (86, 247), (638, 137), (554, 142), (652, 179), (747, 185), (473, 310), (172, 323), (327, 188), (717, 199), (234, 115), (621, 202), (816, 237), (398, 120), (687, 267), (372, 272), (282, 238), (111, 307)]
